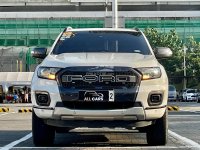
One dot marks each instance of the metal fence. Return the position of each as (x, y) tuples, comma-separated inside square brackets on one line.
[(16, 59)]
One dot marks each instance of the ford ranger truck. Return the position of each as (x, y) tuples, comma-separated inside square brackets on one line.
[(101, 77)]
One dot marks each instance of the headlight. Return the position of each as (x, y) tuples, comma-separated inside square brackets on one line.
[(47, 73), (150, 73)]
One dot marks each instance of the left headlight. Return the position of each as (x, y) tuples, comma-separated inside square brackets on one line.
[(47, 72), (150, 73)]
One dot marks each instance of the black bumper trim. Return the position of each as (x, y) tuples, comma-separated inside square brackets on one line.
[(97, 123), (97, 105)]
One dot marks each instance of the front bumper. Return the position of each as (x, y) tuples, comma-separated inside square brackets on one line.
[(143, 112), (131, 114), (191, 98), (172, 98)]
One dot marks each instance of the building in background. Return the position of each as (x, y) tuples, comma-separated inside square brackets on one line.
[(26, 24)]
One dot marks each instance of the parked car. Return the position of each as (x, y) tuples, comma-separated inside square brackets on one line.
[(198, 97), (172, 94), (190, 95)]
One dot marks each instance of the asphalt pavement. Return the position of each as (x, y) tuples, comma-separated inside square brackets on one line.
[(184, 132)]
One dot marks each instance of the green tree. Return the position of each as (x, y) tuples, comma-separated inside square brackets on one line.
[(173, 65), (193, 57)]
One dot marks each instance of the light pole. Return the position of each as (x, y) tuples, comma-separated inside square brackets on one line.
[(115, 13), (106, 6), (184, 68)]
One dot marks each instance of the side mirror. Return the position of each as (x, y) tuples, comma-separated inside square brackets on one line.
[(163, 52), (39, 52)]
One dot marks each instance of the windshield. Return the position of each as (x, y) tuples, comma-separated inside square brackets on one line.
[(172, 88), (101, 41), (191, 91)]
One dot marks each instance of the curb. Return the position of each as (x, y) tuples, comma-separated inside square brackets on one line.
[(173, 108), (4, 109), (24, 110)]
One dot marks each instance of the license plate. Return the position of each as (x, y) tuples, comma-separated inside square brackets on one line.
[(97, 96)]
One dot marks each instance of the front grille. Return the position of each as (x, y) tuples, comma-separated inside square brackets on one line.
[(123, 81), (78, 83), (193, 96)]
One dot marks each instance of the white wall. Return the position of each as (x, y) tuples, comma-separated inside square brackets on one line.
[(90, 2), (15, 76), (96, 14)]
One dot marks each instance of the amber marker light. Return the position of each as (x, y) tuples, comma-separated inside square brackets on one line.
[(52, 76), (48, 73), (145, 77), (150, 73)]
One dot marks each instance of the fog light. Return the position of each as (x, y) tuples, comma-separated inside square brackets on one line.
[(42, 98), (155, 98)]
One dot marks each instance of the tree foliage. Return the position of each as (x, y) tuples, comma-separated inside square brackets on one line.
[(173, 65), (193, 57)]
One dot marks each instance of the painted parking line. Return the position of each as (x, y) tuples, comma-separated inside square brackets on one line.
[(11, 145), (7, 113), (182, 116), (192, 111), (185, 122), (188, 144), (187, 141)]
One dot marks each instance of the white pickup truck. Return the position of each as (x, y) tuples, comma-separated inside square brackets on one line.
[(100, 78)]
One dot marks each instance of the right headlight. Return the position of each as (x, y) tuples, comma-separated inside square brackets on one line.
[(150, 73), (47, 72)]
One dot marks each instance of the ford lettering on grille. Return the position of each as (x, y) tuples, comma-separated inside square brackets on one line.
[(98, 78)]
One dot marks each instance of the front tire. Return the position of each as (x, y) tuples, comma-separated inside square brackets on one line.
[(43, 134), (157, 134)]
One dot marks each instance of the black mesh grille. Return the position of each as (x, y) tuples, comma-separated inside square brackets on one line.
[(71, 82), (92, 85)]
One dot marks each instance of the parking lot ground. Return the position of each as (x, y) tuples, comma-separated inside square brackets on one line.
[(187, 106), (184, 131)]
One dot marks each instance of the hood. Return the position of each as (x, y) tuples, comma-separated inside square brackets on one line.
[(133, 60)]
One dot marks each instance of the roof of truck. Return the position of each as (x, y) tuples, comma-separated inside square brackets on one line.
[(103, 29)]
